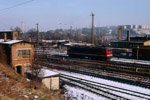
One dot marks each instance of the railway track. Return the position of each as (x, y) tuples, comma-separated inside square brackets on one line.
[(102, 69), (106, 91), (104, 62), (103, 65), (123, 64), (110, 76)]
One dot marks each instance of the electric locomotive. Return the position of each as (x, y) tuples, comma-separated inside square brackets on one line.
[(91, 52)]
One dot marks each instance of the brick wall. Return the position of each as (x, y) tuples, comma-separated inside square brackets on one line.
[(16, 61)]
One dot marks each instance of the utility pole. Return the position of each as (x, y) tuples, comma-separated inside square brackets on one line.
[(137, 52), (92, 28), (70, 35), (70, 29), (22, 32), (37, 35), (41, 37)]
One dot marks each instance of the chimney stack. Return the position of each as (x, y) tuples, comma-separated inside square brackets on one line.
[(5, 37), (93, 34), (146, 36), (119, 33), (128, 35)]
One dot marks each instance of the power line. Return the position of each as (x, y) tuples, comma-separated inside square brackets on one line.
[(17, 5)]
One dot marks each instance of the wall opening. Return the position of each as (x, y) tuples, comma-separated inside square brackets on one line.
[(18, 69)]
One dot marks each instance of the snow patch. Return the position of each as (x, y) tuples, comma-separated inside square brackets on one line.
[(75, 93), (134, 61)]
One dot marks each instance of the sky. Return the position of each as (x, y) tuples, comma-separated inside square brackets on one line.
[(53, 14)]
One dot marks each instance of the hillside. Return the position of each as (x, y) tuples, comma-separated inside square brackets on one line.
[(15, 87)]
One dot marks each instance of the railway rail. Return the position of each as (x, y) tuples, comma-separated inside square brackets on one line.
[(110, 76), (107, 70), (103, 65), (133, 65), (107, 91)]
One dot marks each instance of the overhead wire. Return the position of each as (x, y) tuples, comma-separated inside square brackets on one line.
[(17, 5)]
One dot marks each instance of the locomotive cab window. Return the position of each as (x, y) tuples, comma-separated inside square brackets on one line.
[(109, 50)]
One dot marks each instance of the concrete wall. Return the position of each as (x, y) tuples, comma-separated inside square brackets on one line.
[(46, 82), (147, 43), (51, 83)]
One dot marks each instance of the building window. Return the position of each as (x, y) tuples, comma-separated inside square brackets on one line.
[(23, 53)]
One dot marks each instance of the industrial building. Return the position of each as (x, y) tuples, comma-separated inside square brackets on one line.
[(130, 42), (19, 53), (123, 47), (141, 52)]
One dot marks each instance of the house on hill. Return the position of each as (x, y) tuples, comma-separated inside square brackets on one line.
[(19, 53)]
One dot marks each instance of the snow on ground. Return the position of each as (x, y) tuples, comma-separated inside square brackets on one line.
[(111, 83), (61, 53), (80, 94), (53, 52), (108, 82), (46, 72), (36, 97), (131, 61)]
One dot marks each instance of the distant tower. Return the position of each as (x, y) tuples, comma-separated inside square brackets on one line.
[(70, 29), (120, 33), (92, 28), (22, 32), (37, 35), (128, 35)]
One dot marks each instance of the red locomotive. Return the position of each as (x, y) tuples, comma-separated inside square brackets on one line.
[(100, 52)]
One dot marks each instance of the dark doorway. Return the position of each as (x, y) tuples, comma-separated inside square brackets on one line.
[(18, 69)]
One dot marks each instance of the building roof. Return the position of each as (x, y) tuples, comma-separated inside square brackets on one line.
[(143, 39), (118, 41), (78, 44), (10, 41), (47, 73), (6, 31), (134, 40)]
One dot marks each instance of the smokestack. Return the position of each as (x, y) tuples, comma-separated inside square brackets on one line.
[(5, 37), (70, 29), (22, 32), (119, 33), (37, 35), (128, 35), (146, 36), (93, 34)]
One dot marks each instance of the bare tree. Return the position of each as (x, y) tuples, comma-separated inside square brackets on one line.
[(31, 35)]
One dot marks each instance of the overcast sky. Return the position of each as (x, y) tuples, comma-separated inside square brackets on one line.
[(52, 14)]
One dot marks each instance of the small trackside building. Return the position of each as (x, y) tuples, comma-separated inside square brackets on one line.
[(49, 78), (19, 54)]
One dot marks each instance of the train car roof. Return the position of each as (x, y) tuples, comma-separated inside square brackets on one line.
[(92, 47)]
